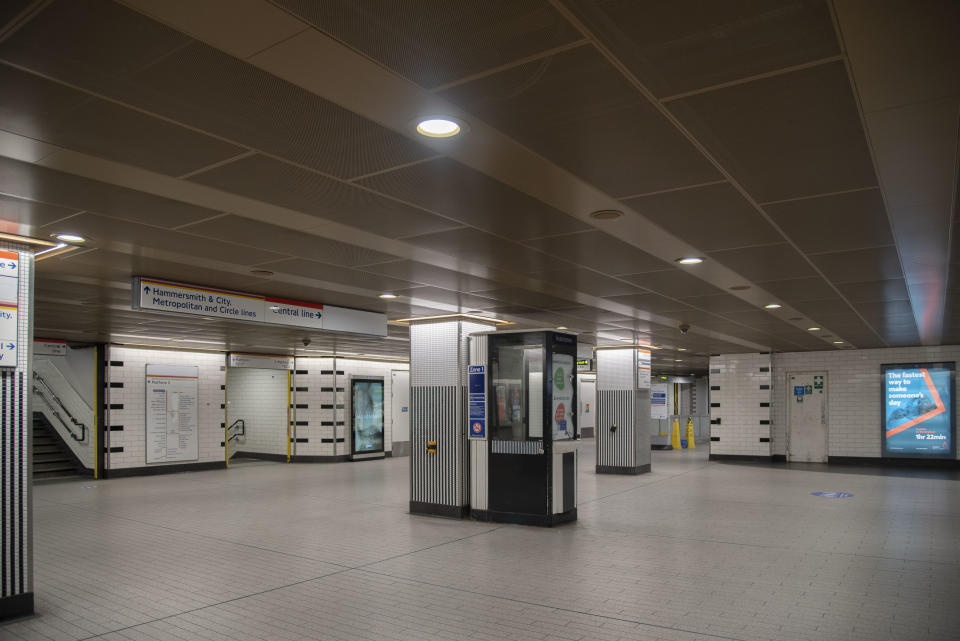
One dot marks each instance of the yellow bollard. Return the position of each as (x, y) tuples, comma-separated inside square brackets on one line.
[(691, 442), (675, 439)]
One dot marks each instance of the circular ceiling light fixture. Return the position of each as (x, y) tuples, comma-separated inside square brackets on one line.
[(606, 214), (678, 360), (772, 306), (689, 260), (681, 349), (69, 238), (561, 327), (813, 329), (388, 295), (438, 128), (838, 342)]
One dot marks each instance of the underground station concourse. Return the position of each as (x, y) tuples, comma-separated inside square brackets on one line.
[(479, 320)]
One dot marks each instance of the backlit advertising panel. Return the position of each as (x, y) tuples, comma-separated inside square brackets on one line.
[(918, 410), (366, 409)]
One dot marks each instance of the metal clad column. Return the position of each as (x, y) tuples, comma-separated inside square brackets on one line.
[(623, 414), (16, 538), (439, 458)]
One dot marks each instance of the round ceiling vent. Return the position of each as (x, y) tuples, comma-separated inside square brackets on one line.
[(606, 214)]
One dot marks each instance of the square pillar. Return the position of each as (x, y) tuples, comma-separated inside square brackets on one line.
[(623, 410)]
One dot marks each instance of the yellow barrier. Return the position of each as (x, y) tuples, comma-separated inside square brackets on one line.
[(691, 442), (675, 439)]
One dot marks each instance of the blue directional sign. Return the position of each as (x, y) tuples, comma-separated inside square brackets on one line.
[(477, 402)]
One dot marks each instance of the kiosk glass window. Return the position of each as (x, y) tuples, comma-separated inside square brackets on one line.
[(366, 408), (517, 386)]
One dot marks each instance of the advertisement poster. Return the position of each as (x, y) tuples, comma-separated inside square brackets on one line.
[(366, 408), (918, 410), (563, 367), (172, 413), (658, 400)]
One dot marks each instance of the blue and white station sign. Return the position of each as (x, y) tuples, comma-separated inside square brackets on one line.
[(477, 402)]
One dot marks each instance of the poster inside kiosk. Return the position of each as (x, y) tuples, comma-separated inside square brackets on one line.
[(918, 410), (9, 299), (172, 413)]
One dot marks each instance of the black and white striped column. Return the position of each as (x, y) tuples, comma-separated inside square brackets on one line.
[(623, 413)]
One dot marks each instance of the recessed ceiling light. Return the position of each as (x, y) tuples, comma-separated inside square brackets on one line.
[(681, 349), (813, 329), (70, 238), (773, 306), (261, 272), (739, 288), (438, 128), (678, 360), (838, 342), (561, 327), (388, 295), (606, 214), (689, 260)]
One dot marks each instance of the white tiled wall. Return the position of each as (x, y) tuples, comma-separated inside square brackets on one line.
[(740, 401), (259, 397), (126, 382), (854, 390), (322, 403)]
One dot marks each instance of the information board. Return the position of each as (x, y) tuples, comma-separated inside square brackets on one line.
[(658, 400), (477, 402), (260, 361), (9, 300), (643, 368), (172, 400), (918, 410)]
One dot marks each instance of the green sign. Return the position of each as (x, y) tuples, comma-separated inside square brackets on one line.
[(817, 382), (558, 377)]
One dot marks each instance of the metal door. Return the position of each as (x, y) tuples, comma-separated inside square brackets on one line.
[(807, 417), (400, 408), (588, 403)]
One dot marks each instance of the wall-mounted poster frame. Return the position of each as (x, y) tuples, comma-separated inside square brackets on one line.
[(918, 417), (172, 413), (366, 417)]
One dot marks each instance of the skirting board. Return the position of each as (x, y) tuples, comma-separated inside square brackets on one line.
[(615, 469), (435, 509), (743, 457), (900, 462), (162, 469), (18, 605), (524, 519)]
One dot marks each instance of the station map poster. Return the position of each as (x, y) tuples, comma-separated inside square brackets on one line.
[(172, 413), (366, 409), (918, 412)]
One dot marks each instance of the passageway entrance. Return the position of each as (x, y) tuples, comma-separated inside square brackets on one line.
[(258, 407)]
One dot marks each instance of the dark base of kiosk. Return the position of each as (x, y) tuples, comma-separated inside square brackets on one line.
[(435, 509), (616, 469), (524, 519)]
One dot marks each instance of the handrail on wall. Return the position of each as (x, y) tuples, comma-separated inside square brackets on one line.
[(43, 389), (243, 429)]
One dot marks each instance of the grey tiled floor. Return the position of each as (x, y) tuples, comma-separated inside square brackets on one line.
[(695, 550)]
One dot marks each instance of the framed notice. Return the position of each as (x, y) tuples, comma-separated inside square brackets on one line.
[(918, 410), (366, 414), (172, 401)]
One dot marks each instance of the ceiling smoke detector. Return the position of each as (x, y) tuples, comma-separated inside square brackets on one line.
[(606, 214)]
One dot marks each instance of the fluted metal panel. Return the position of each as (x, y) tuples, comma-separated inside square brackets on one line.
[(436, 476), (616, 448), (517, 447)]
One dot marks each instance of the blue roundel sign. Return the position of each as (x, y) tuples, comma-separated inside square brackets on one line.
[(833, 495)]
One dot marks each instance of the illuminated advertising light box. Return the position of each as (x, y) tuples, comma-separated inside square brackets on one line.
[(918, 420), (366, 409)]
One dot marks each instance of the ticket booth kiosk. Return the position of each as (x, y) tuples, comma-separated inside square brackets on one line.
[(522, 427)]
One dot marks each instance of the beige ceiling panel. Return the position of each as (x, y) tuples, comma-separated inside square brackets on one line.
[(795, 290), (121, 235), (463, 302), (767, 262), (877, 263), (796, 134), (837, 222), (44, 110), (55, 187), (824, 309), (875, 290), (761, 319), (677, 283), (586, 281), (472, 198), (674, 47), (527, 297), (650, 303), (598, 250), (596, 315), (18, 216), (459, 38), (342, 275), (719, 303), (710, 217), (280, 183), (479, 246), (426, 274), (578, 111), (252, 233)]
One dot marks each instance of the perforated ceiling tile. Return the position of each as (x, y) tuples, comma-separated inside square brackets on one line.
[(586, 281), (334, 274), (254, 233), (824, 308), (679, 46), (677, 283), (528, 297), (600, 251), (650, 303), (279, 183), (465, 302), (578, 111), (60, 188), (833, 223), (878, 263), (459, 38), (796, 134), (877, 290), (709, 218), (719, 303), (596, 314), (28, 215), (427, 274), (483, 248), (463, 194), (799, 289), (766, 262)]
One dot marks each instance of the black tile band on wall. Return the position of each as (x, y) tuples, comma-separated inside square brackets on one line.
[(762, 422), (764, 370), (340, 440), (714, 388), (326, 389), (116, 428), (301, 372), (116, 406), (714, 404), (764, 387), (715, 421), (326, 440), (113, 450), (301, 389), (764, 404), (326, 372), (714, 438), (116, 385), (116, 363), (302, 440), (326, 423), (764, 439)]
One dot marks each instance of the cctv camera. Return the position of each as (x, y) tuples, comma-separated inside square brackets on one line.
[(684, 328), (306, 342)]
